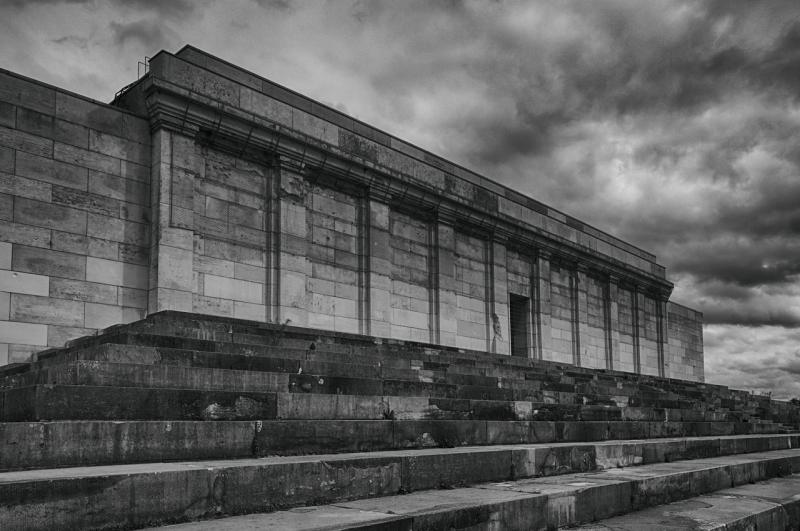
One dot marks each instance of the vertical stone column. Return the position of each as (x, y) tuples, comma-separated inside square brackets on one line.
[(581, 322), (273, 224), (293, 267), (574, 318), (498, 286), (541, 304), (379, 281), (637, 300), (446, 283), (433, 281), (612, 322), (175, 162), (661, 323)]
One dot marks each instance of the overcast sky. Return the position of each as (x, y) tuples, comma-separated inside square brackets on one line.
[(671, 124)]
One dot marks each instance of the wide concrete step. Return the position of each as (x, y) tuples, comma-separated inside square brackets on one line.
[(112, 364), (528, 504), (83, 402), (559, 384), (56, 401), (764, 505), (80, 443), (145, 494)]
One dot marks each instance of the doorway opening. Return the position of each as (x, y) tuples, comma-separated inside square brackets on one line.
[(520, 310)]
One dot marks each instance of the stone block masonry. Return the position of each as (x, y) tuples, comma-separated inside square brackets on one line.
[(204, 188), (74, 216)]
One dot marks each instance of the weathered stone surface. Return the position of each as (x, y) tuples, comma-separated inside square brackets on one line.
[(87, 159), (17, 282), (87, 402), (52, 171), (28, 93), (22, 141), (24, 333), (46, 262), (527, 504), (37, 213), (46, 310), (88, 113)]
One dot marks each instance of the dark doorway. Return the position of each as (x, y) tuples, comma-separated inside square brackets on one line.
[(520, 310)]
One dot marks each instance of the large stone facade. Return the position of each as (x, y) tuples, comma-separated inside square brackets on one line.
[(204, 188)]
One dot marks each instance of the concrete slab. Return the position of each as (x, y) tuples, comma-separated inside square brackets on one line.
[(79, 443), (329, 518), (539, 504), (762, 505), (134, 495)]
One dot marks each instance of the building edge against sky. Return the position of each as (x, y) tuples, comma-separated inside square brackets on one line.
[(205, 188)]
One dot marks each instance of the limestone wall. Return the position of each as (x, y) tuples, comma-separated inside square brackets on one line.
[(563, 304), (685, 343), (249, 201), (74, 213), (411, 271), (230, 240), (649, 336), (627, 326), (594, 340), (472, 316)]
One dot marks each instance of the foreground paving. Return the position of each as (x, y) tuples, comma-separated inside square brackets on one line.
[(772, 504), (133, 496), (543, 503)]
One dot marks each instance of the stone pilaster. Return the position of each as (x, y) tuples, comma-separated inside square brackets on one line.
[(612, 321), (582, 308), (638, 327), (498, 286), (661, 323), (580, 311), (446, 284), (379, 281), (175, 162), (541, 304)]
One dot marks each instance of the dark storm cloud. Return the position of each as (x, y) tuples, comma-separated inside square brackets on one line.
[(149, 33), (742, 262), (169, 8), (72, 40), (762, 359), (280, 5), (28, 3), (750, 315)]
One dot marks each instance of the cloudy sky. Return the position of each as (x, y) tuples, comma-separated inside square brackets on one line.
[(672, 124)]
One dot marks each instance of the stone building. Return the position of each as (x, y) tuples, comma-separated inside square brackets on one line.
[(205, 188)]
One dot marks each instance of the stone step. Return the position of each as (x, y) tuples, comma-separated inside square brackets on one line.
[(78, 443), (428, 358), (338, 378), (239, 356), (533, 503), (619, 385), (83, 402), (772, 504), (240, 395), (104, 373), (147, 494)]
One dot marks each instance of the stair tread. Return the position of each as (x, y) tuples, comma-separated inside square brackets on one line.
[(486, 496), (761, 503), (176, 466)]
